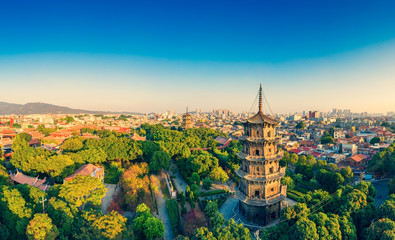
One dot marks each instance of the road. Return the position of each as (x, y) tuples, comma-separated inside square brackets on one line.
[(381, 189), (106, 200), (164, 216)]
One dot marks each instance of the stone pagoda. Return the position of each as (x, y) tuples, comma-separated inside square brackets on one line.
[(260, 191), (186, 120)]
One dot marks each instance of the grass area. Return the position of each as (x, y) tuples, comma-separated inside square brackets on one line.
[(215, 192), (172, 209), (165, 191)]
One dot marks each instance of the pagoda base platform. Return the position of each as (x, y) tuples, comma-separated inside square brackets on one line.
[(261, 215)]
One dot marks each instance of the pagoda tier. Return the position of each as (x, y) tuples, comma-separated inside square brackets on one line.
[(269, 200), (259, 176)]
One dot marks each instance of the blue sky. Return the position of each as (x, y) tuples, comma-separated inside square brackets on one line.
[(163, 55)]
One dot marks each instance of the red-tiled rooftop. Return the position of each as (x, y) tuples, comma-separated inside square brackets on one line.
[(7, 131), (316, 154), (296, 151), (358, 157), (32, 181), (88, 135), (137, 137), (221, 140), (85, 170)]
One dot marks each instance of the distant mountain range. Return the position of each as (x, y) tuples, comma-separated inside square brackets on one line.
[(45, 108)]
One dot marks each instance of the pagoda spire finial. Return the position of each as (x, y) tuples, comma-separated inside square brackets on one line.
[(260, 98)]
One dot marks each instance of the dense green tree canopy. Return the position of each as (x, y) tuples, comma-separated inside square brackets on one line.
[(147, 225), (41, 228), (304, 229), (384, 162), (203, 234), (207, 183), (300, 125), (327, 138), (72, 145), (93, 155), (387, 209), (15, 213), (61, 215), (383, 229), (374, 140), (82, 190), (159, 160), (109, 226), (287, 181)]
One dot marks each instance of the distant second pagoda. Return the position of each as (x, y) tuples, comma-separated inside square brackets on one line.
[(186, 120), (260, 191)]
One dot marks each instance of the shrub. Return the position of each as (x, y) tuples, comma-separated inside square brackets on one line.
[(207, 182), (215, 192), (293, 196), (172, 209)]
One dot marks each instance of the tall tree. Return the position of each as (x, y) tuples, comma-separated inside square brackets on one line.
[(82, 190), (93, 155), (56, 165), (61, 214), (383, 229), (159, 160), (72, 145), (203, 234), (147, 225), (41, 228), (106, 226), (304, 229), (15, 211)]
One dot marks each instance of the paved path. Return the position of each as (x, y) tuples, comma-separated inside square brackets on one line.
[(289, 202), (164, 216), (227, 207), (180, 183), (381, 189), (106, 200)]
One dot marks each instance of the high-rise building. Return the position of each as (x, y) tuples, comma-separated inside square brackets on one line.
[(314, 114), (260, 191)]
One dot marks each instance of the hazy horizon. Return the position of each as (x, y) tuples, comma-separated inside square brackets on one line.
[(140, 57)]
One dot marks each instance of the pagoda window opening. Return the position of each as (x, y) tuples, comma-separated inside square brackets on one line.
[(257, 193), (271, 170), (257, 152), (269, 134), (273, 215)]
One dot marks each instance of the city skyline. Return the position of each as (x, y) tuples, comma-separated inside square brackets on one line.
[(143, 58)]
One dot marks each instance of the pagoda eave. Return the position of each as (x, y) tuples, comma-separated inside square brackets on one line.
[(267, 177), (260, 202), (259, 158)]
